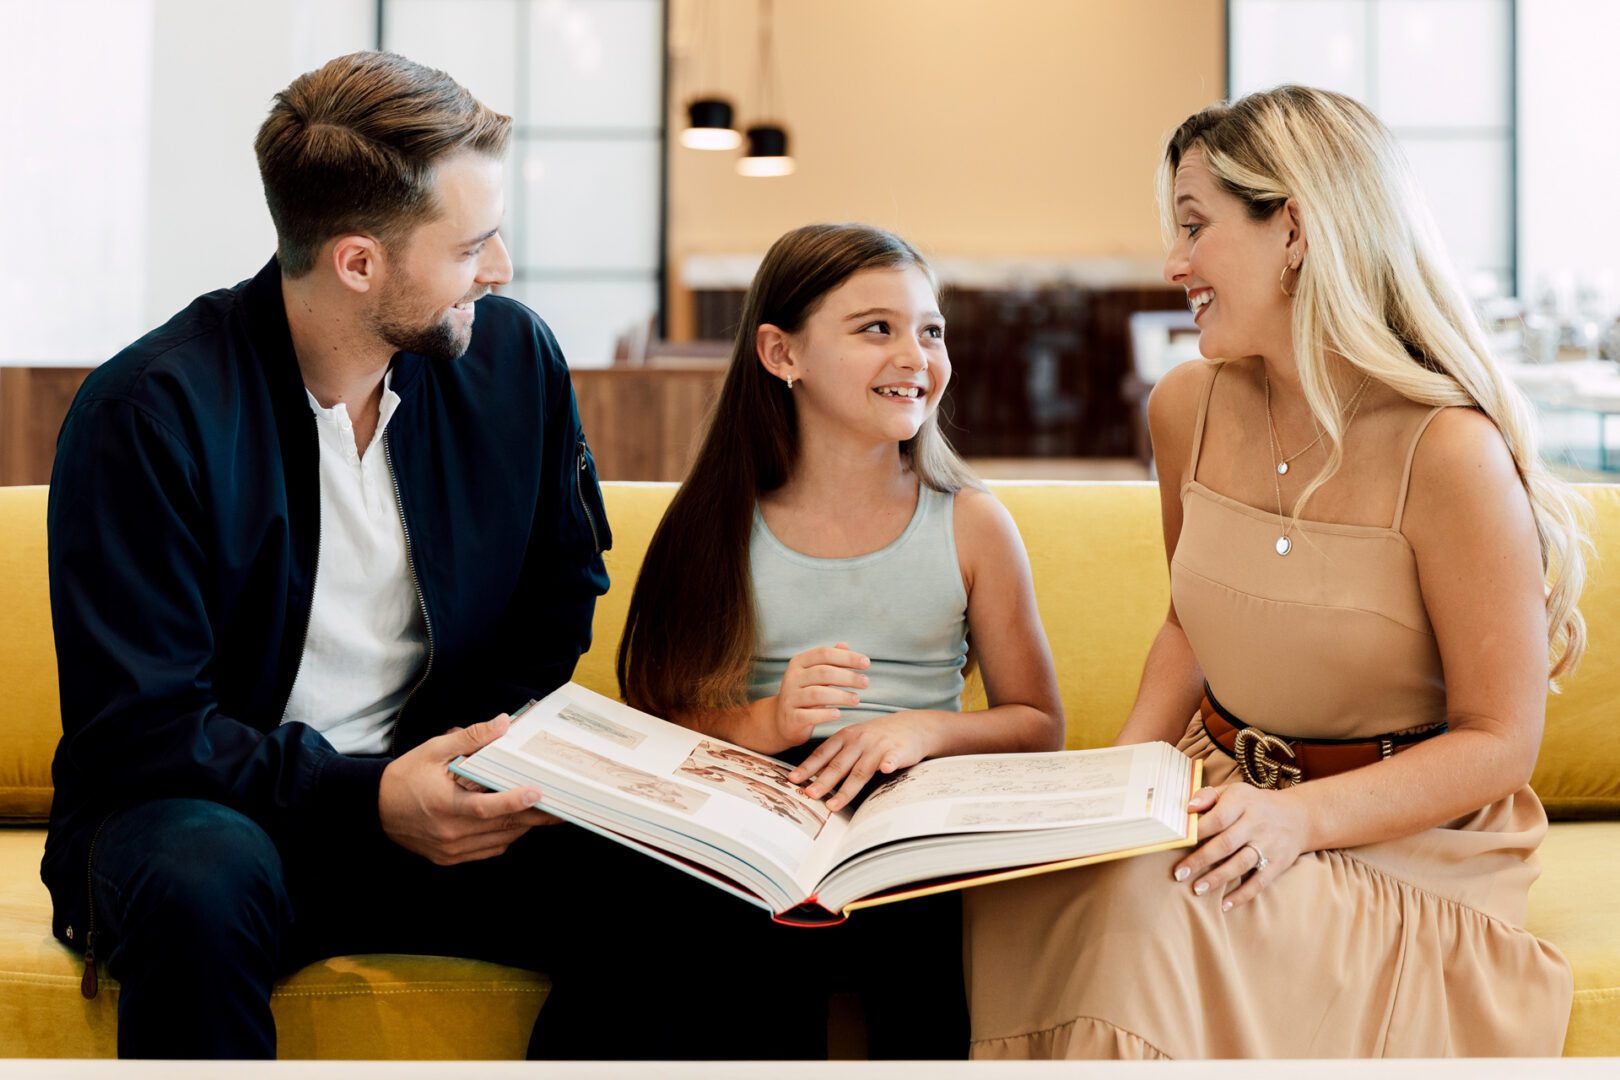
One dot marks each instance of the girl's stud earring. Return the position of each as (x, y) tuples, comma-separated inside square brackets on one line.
[(790, 382)]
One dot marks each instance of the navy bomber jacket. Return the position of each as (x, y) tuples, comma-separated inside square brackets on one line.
[(184, 526)]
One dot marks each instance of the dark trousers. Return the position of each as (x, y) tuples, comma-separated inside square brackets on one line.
[(199, 911), (902, 961)]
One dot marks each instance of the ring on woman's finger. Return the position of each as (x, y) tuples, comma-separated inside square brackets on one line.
[(1261, 856)]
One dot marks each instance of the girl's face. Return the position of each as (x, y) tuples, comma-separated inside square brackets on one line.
[(871, 358), (1230, 265)]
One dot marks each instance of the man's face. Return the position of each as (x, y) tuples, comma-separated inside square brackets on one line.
[(443, 266)]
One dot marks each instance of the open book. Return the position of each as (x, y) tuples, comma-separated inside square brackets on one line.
[(730, 816)]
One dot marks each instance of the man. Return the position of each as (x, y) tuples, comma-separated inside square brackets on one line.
[(306, 540)]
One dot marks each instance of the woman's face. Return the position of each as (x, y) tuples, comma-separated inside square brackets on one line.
[(1230, 265), (871, 358)]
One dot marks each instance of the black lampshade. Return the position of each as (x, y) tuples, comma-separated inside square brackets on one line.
[(767, 152), (710, 126)]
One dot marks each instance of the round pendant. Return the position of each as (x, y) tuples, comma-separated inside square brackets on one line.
[(1284, 545), (1282, 468)]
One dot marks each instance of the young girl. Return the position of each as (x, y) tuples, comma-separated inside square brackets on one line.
[(813, 588)]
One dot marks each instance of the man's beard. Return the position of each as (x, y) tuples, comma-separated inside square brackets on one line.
[(393, 322)]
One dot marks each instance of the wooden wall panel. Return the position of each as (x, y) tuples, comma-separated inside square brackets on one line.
[(33, 403), (643, 423)]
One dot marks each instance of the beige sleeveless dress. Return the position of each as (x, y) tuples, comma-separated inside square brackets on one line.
[(1408, 948)]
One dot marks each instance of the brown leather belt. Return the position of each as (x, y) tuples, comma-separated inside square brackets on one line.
[(1277, 761)]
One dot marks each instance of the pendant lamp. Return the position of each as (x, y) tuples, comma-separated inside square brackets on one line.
[(767, 153), (710, 126)]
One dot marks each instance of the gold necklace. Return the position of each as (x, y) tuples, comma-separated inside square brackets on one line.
[(1282, 466), (1284, 545)]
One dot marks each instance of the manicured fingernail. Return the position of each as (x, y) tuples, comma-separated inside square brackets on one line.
[(1201, 888), (1226, 905), (1182, 873)]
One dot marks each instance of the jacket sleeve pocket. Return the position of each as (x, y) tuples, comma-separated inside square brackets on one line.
[(588, 493)]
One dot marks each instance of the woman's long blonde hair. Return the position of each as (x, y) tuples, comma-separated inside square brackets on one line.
[(1376, 289)]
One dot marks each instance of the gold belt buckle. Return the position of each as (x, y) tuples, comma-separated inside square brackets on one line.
[(1258, 759)]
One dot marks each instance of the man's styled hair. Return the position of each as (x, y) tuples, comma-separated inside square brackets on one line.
[(351, 147)]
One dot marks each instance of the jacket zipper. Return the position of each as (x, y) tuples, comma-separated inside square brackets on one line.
[(309, 613), (91, 983), (421, 600), (590, 519)]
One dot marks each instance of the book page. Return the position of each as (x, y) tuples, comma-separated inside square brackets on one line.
[(986, 793), (576, 742)]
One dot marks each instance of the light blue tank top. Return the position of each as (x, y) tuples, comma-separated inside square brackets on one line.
[(904, 606)]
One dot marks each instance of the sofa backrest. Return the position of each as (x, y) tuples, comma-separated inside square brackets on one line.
[(31, 722), (1098, 563)]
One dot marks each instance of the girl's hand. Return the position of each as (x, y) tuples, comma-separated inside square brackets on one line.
[(855, 754), (1238, 823), (815, 684)]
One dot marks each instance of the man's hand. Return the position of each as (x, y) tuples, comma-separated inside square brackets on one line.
[(424, 810)]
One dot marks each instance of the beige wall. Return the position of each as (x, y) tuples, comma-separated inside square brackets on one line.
[(978, 128)]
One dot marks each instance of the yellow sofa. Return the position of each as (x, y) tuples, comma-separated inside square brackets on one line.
[(1100, 575)]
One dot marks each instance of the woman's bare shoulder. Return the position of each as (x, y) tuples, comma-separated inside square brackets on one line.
[(1463, 471), (1173, 402)]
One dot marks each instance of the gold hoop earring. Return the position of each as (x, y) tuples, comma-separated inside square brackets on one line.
[(1282, 279)]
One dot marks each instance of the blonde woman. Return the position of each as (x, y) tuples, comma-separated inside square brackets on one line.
[(1373, 579)]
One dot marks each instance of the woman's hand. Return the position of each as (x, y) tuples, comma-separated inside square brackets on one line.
[(858, 752), (1237, 824), (817, 682)]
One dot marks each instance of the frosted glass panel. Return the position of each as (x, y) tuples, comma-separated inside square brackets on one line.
[(589, 316), (475, 42), (1444, 63), (74, 251), (1466, 184), (591, 204), (1316, 43), (597, 64)]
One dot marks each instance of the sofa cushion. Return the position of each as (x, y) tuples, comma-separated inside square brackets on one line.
[(368, 1007), (1578, 773), (1101, 579), (1103, 588), (1099, 572), (429, 1007), (1576, 906), (28, 702)]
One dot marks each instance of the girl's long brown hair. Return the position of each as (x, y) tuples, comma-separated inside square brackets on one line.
[(689, 637)]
